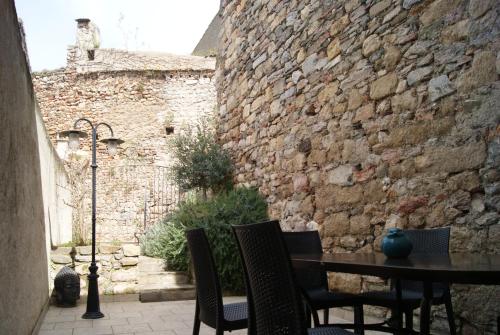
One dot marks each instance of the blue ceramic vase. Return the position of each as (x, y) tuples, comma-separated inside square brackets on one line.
[(396, 245)]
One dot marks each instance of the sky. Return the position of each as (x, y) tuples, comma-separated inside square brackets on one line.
[(173, 26)]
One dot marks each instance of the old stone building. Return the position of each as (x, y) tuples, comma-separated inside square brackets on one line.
[(357, 116), (145, 97)]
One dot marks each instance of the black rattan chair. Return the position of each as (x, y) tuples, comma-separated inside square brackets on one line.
[(275, 303), (428, 241), (209, 307), (314, 282)]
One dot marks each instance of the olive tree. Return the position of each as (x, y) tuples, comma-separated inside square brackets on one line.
[(200, 163)]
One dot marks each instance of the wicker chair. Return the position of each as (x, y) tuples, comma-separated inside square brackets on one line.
[(209, 307), (314, 282), (433, 241), (275, 304)]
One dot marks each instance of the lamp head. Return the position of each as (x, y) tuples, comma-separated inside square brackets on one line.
[(112, 144), (74, 136)]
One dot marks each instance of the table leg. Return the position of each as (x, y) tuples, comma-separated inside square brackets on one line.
[(399, 311), (425, 309)]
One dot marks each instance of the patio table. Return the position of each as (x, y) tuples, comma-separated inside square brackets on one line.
[(460, 268)]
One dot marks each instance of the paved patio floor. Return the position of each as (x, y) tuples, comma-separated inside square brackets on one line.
[(131, 317)]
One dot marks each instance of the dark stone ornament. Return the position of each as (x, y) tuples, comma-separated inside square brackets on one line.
[(67, 287)]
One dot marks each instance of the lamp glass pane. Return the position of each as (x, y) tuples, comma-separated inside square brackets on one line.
[(112, 147), (74, 141)]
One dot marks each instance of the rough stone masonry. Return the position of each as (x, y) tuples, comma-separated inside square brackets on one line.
[(140, 95), (356, 116)]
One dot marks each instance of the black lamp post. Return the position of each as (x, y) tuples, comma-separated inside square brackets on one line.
[(74, 135)]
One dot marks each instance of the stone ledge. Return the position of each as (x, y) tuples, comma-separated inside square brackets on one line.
[(174, 293)]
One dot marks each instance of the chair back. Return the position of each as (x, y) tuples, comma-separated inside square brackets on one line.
[(307, 242), (208, 289), (434, 241), (272, 292), (429, 241)]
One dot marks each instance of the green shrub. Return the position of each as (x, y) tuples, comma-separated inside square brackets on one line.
[(238, 206), (201, 163), (166, 240)]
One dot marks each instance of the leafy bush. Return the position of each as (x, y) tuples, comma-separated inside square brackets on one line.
[(201, 163), (166, 240), (239, 206)]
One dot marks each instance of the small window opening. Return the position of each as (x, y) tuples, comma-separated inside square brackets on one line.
[(91, 54), (169, 130)]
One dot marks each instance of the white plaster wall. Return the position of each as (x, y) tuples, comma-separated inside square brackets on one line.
[(56, 190), (24, 292)]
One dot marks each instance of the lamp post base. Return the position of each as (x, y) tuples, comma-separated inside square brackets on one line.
[(93, 310), (92, 315)]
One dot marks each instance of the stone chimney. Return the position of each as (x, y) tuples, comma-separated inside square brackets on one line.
[(82, 23), (87, 39)]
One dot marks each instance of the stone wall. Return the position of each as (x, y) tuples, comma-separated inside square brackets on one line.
[(122, 270), (118, 271), (356, 116), (138, 105), (122, 60), (23, 277), (139, 95)]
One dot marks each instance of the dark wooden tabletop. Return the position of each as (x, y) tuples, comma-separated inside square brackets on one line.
[(453, 268)]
